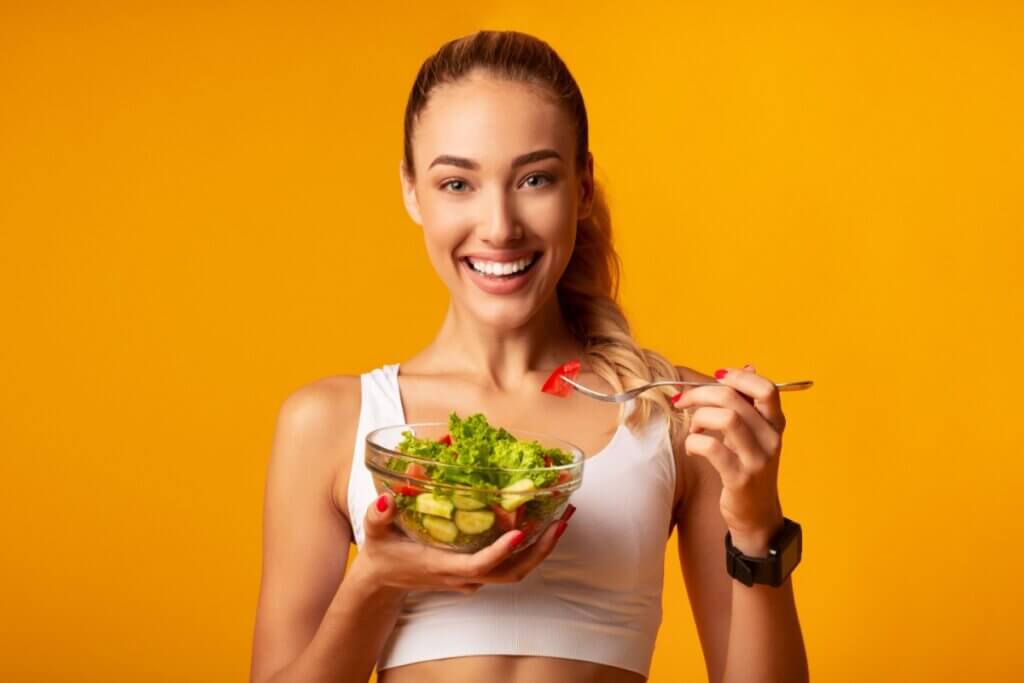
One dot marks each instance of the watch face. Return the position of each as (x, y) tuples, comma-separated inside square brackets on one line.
[(790, 555)]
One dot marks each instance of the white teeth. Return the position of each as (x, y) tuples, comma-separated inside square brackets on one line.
[(495, 268)]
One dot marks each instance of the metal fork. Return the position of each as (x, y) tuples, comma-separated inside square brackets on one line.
[(626, 395)]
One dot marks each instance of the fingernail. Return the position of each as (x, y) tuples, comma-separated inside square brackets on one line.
[(719, 374), (516, 540), (676, 397), (382, 503), (562, 526), (568, 512)]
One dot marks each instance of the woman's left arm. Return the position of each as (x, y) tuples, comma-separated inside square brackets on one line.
[(736, 432)]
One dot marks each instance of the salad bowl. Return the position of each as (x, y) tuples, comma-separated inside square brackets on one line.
[(461, 485)]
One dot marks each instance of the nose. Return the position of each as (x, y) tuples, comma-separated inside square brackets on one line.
[(500, 226)]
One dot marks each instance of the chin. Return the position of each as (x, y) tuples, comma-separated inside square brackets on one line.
[(505, 315)]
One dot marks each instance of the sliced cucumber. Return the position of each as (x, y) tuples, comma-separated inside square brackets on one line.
[(520, 485), (429, 504), (474, 521), (440, 528), (516, 493), (464, 502)]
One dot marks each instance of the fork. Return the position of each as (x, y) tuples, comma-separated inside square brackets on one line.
[(626, 395)]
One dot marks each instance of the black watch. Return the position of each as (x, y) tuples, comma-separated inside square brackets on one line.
[(784, 552)]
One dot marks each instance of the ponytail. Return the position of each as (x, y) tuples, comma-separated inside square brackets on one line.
[(588, 295)]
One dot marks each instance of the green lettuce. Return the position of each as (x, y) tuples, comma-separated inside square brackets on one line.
[(475, 444)]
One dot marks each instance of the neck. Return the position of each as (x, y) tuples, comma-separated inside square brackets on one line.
[(501, 359)]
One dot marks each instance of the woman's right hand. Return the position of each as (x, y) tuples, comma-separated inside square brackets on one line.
[(390, 559)]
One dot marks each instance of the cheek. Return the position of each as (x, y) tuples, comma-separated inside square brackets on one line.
[(547, 211), (445, 225), (551, 218)]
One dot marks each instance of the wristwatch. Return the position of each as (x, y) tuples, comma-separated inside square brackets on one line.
[(784, 551)]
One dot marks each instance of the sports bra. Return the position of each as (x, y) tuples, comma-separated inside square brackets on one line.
[(596, 597)]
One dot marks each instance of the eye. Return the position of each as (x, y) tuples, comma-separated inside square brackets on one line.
[(537, 176), (456, 185)]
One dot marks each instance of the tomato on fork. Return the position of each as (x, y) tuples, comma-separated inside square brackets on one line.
[(554, 384)]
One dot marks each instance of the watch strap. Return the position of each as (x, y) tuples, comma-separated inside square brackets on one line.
[(784, 553)]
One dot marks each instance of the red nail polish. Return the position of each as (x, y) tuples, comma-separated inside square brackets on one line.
[(516, 540), (382, 503), (719, 374), (562, 526), (676, 397), (568, 512)]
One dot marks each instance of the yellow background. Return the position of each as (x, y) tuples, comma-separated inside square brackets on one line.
[(200, 212)]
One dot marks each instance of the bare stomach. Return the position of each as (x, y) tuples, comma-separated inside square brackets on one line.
[(507, 669)]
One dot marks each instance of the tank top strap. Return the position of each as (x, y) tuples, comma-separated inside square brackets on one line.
[(380, 406), (380, 392)]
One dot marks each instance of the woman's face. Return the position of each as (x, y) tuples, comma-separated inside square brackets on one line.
[(498, 195)]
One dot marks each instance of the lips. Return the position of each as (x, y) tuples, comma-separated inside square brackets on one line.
[(502, 268)]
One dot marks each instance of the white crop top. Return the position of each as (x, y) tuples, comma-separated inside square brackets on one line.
[(596, 597)]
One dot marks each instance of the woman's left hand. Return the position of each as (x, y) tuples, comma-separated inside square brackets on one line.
[(747, 414)]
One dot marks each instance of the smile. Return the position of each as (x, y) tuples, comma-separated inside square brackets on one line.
[(502, 270)]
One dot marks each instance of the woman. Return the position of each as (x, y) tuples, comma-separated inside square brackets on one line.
[(498, 173)]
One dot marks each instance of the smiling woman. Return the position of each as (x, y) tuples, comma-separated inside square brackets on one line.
[(498, 174)]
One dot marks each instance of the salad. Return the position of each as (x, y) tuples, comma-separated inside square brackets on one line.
[(486, 482)]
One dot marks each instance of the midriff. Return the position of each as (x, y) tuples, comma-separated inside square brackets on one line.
[(507, 669)]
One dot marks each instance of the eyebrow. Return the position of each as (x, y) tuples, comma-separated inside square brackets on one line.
[(521, 160)]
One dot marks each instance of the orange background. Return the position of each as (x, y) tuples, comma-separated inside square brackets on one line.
[(200, 212)]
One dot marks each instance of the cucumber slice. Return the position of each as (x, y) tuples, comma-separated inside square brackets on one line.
[(464, 502), (429, 504), (516, 493), (520, 485), (440, 528), (474, 521)]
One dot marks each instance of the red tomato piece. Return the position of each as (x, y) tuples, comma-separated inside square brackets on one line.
[(547, 461), (555, 386), (563, 477), (507, 520), (416, 471), (446, 439), (408, 490)]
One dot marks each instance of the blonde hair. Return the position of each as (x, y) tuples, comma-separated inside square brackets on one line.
[(588, 290)]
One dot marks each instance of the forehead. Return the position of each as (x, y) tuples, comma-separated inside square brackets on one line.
[(491, 121)]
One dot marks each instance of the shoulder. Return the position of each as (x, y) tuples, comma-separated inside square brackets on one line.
[(316, 427), (315, 410)]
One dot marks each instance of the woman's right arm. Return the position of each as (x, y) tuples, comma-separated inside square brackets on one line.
[(308, 627)]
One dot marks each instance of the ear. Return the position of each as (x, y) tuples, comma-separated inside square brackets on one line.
[(412, 205), (586, 188)]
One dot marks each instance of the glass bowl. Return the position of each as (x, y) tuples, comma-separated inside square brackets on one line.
[(436, 512)]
